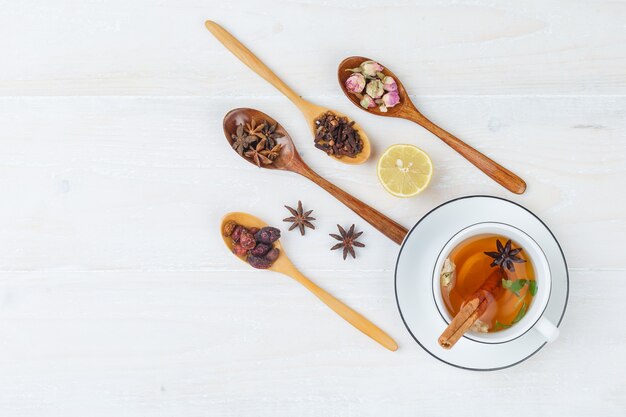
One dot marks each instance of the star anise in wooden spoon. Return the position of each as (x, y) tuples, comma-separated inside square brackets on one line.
[(299, 218), (269, 133), (348, 241), (256, 155), (242, 141), (252, 129)]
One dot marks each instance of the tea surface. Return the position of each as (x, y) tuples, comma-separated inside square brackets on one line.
[(510, 286)]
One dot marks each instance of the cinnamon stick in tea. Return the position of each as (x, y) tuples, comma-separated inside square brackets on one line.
[(471, 311)]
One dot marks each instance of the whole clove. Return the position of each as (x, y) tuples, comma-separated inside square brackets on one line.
[(337, 136)]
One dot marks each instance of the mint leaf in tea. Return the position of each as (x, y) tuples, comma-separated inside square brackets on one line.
[(485, 290)]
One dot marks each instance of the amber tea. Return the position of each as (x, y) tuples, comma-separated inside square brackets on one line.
[(496, 274)]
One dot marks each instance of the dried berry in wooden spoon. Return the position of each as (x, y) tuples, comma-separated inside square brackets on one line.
[(254, 242)]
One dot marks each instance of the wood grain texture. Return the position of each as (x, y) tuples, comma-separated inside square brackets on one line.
[(117, 296)]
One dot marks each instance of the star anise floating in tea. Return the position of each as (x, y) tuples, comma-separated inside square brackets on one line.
[(299, 218), (347, 241), (505, 256), (257, 142)]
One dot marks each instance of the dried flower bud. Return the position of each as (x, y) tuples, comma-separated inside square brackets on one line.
[(355, 83), (391, 99), (367, 102), (390, 84), (382, 108), (375, 89), (370, 68)]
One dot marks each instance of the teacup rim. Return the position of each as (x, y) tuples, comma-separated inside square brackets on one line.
[(471, 336)]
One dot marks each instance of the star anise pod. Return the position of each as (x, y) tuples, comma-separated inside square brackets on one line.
[(252, 129), (241, 141), (256, 155), (272, 153), (269, 133), (348, 240), (505, 257), (299, 218)]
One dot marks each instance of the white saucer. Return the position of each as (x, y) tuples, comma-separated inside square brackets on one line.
[(414, 271)]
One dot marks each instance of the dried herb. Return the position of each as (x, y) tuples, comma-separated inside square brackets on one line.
[(299, 218), (336, 136), (257, 142), (505, 256), (348, 241)]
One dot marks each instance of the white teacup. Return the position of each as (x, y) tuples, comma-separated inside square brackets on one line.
[(534, 316)]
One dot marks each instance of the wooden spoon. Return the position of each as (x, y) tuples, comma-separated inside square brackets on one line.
[(284, 266), (309, 110), (290, 160), (407, 110)]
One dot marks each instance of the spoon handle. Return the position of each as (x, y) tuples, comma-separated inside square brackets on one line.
[(348, 314), (495, 171), (384, 224), (247, 57)]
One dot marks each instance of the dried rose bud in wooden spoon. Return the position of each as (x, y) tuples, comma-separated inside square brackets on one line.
[(375, 89)]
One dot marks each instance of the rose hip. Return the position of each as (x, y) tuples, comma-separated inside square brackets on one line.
[(247, 240), (239, 250), (258, 262), (272, 255), (236, 233), (261, 249), (267, 235)]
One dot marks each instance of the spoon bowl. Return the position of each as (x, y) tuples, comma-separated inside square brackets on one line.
[(288, 152), (405, 109), (399, 110), (284, 266), (309, 110), (290, 160)]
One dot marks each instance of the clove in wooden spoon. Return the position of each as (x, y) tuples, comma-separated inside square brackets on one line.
[(284, 266), (309, 110), (407, 110), (290, 160)]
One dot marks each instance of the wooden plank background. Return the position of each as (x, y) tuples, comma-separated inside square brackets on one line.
[(116, 295)]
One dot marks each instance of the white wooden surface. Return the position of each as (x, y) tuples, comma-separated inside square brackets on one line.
[(116, 295)]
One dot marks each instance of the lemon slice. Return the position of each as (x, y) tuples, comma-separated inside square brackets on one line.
[(405, 170)]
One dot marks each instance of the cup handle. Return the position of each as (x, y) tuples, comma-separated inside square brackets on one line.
[(547, 330)]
